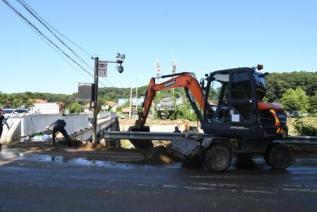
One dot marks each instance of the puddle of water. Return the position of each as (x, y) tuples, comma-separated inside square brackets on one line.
[(12, 154), (6, 154), (75, 161), (15, 154)]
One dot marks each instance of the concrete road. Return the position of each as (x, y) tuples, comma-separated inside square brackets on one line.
[(44, 183)]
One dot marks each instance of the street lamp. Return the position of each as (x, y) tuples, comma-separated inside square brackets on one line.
[(120, 59)]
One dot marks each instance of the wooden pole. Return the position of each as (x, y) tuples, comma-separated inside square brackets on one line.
[(95, 112)]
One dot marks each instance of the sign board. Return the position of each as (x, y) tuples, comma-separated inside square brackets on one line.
[(85, 91), (102, 68)]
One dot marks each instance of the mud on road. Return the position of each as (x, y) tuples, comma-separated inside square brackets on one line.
[(84, 152)]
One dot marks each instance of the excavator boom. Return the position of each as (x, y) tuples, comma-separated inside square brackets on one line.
[(181, 80)]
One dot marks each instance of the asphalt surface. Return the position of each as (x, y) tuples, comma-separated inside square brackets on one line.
[(41, 182)]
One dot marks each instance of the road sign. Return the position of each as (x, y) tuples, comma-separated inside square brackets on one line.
[(102, 68)]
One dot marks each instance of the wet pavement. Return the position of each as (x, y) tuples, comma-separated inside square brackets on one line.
[(52, 182)]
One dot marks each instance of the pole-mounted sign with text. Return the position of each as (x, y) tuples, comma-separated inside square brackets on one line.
[(102, 68)]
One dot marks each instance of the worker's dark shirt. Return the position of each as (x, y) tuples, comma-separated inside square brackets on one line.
[(2, 119), (57, 125)]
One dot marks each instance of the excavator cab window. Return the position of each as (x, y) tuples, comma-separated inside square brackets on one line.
[(241, 95), (218, 98), (240, 86)]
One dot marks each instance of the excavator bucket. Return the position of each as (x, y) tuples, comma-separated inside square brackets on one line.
[(141, 143)]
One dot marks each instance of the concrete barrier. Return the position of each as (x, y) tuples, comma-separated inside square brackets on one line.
[(29, 124)]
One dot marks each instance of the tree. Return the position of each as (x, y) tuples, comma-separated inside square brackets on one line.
[(76, 108), (313, 104), (185, 111), (278, 83), (295, 100)]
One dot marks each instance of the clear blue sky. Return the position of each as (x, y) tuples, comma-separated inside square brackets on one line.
[(201, 36)]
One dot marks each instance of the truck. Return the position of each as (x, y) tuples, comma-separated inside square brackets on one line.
[(165, 108), (235, 119)]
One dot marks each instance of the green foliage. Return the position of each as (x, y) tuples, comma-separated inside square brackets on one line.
[(313, 104), (112, 93), (76, 108), (26, 99), (279, 83), (295, 100), (304, 129), (119, 109), (173, 116), (185, 111)]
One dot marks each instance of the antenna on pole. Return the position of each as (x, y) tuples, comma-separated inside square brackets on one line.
[(173, 72), (158, 73), (173, 66), (158, 69)]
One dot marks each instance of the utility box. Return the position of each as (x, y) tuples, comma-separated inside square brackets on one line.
[(85, 91)]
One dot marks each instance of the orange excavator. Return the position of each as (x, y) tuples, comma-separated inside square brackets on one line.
[(228, 103)]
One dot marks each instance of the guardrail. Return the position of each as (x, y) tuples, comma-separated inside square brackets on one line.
[(301, 139), (103, 124), (303, 144)]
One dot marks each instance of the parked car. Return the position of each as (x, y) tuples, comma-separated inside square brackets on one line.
[(8, 112), (17, 111)]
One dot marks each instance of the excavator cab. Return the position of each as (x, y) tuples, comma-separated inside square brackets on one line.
[(235, 97)]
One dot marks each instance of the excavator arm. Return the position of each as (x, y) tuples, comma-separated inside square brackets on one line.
[(181, 80)]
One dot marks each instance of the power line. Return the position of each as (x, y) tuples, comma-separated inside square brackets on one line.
[(47, 38), (54, 29), (27, 7), (57, 51), (37, 16), (48, 41)]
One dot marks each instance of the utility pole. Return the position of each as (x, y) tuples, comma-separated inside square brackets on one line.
[(136, 100), (130, 111), (95, 101), (101, 69)]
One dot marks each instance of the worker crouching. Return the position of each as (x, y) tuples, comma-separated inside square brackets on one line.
[(59, 126)]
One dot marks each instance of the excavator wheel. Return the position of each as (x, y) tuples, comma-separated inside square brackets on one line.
[(217, 158), (279, 156), (141, 143)]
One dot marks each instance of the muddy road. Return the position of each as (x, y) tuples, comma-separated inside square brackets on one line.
[(48, 181)]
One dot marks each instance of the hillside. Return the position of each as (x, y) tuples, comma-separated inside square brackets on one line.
[(277, 83)]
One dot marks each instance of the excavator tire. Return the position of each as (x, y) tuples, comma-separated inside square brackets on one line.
[(217, 158), (141, 143), (279, 156)]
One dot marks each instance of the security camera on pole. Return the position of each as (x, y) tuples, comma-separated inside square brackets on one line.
[(101, 71)]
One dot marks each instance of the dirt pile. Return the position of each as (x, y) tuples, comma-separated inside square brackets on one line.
[(159, 155)]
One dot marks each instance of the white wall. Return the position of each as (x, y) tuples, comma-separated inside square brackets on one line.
[(34, 123), (29, 124)]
